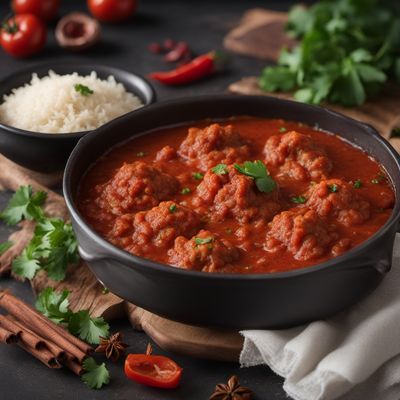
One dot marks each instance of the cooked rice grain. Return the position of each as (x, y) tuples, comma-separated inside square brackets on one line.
[(52, 105)]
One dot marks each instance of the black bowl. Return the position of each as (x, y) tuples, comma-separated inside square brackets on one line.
[(235, 301), (48, 152)]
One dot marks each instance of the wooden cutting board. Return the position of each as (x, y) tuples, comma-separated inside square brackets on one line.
[(87, 292)]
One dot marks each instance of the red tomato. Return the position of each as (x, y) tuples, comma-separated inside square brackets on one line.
[(112, 10), (44, 9), (23, 35), (157, 371)]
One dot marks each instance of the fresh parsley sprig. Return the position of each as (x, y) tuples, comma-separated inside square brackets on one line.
[(53, 246), (83, 90), (55, 306), (348, 49), (24, 204), (95, 376), (258, 171)]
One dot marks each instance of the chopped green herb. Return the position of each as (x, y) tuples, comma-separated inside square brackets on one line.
[(172, 208), (282, 129), (228, 231), (258, 171), (24, 204), (357, 184), (185, 190), (53, 245), (105, 290), (140, 154), (5, 246), (55, 306), (198, 176), (200, 241), (52, 248), (298, 200), (333, 188), (347, 50), (220, 169), (95, 375), (83, 90)]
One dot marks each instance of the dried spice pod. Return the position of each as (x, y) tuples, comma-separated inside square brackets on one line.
[(231, 391), (113, 347), (77, 31)]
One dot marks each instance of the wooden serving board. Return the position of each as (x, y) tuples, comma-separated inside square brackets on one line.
[(87, 292)]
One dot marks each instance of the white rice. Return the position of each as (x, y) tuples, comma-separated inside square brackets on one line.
[(52, 105)]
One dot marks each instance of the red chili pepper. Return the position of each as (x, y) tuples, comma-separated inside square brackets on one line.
[(157, 371), (198, 68)]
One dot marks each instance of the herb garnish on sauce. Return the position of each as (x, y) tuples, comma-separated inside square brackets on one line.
[(83, 90), (198, 176), (333, 188), (357, 184), (206, 240), (258, 171), (220, 169), (298, 200)]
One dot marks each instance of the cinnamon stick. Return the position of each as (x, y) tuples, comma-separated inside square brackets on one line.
[(25, 334), (44, 327), (43, 355), (7, 337), (73, 365)]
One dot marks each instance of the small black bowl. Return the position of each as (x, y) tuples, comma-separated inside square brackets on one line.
[(48, 152), (275, 300)]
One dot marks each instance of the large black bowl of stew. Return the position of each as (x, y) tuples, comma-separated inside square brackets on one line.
[(236, 212)]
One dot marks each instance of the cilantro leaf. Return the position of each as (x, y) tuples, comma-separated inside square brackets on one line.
[(333, 188), (96, 375), (5, 246), (185, 190), (347, 50), (220, 169), (198, 176), (258, 171), (54, 305), (88, 328), (357, 184), (206, 240), (298, 200), (172, 208), (24, 205), (25, 265), (83, 90)]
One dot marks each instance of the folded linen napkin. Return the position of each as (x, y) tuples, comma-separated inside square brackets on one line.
[(352, 356)]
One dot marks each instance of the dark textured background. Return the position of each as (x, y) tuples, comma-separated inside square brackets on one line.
[(203, 23)]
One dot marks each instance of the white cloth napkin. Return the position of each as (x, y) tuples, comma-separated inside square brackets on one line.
[(352, 356)]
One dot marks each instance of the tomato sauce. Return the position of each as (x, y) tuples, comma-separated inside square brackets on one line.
[(157, 196)]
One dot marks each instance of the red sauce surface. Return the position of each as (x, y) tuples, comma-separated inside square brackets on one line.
[(143, 197)]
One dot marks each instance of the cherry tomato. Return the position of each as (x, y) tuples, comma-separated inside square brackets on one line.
[(112, 10), (23, 35), (44, 9), (156, 371)]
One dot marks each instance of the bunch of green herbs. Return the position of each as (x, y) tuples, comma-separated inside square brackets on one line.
[(347, 50)]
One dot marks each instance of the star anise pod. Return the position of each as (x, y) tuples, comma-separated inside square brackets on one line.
[(113, 346), (231, 391)]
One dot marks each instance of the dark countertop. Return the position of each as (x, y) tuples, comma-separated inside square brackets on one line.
[(203, 23)]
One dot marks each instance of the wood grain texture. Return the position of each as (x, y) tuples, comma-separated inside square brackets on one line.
[(260, 34), (190, 340), (382, 112)]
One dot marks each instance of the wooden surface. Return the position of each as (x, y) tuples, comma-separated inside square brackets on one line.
[(260, 34)]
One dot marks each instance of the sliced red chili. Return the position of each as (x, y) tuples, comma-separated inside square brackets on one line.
[(150, 370)]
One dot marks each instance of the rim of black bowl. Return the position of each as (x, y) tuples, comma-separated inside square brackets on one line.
[(144, 263), (115, 71)]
